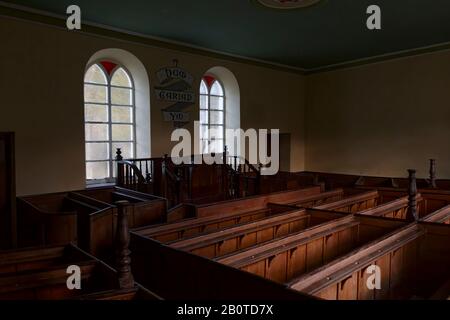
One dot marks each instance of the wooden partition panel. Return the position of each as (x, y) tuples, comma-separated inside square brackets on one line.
[(174, 274)]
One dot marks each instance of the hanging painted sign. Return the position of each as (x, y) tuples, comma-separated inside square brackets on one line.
[(176, 116), (170, 73), (175, 96), (175, 87)]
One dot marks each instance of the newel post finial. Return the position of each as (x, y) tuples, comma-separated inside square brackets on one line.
[(123, 261), (432, 181), (412, 194), (119, 154)]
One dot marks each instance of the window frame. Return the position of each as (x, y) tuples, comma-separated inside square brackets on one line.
[(110, 141), (209, 125)]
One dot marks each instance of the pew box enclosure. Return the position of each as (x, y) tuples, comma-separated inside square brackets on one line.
[(41, 274), (7, 191), (87, 217)]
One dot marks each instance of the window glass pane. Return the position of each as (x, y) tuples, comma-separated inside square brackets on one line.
[(95, 75), (121, 96), (204, 132), (122, 114), (97, 151), (216, 146), (216, 89), (216, 132), (120, 78), (126, 148), (203, 87), (216, 103), (122, 132), (204, 146), (203, 117), (95, 93), (216, 117), (96, 112), (97, 170), (203, 102), (96, 132)]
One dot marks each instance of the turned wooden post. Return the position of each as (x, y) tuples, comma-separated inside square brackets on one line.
[(225, 151), (123, 261), (432, 181), (412, 193), (119, 158)]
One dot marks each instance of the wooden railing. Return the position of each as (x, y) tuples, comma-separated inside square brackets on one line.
[(244, 179), (142, 175), (233, 178)]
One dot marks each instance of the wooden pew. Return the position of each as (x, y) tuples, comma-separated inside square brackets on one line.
[(145, 209), (432, 199), (402, 258), (87, 217), (319, 199), (47, 220), (439, 216), (284, 259), (195, 226), (177, 275), (255, 202), (355, 203), (229, 240), (398, 208), (41, 273)]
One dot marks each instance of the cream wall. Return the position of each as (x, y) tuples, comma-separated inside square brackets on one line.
[(381, 119), (41, 82)]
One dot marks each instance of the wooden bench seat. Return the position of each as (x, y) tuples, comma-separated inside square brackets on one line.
[(246, 235), (283, 259), (402, 258)]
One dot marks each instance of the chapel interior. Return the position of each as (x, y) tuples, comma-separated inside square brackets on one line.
[(225, 150)]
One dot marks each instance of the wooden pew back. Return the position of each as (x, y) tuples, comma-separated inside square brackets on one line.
[(283, 259), (402, 258), (230, 240)]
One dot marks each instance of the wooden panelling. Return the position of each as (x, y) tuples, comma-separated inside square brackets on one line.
[(8, 231)]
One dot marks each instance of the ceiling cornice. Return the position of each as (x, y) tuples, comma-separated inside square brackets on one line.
[(10, 10)]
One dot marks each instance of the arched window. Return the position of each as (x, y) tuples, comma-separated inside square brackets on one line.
[(109, 118), (212, 115)]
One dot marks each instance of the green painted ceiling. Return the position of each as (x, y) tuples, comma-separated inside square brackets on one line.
[(331, 32)]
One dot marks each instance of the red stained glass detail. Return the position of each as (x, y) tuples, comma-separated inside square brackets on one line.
[(109, 66), (209, 80)]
